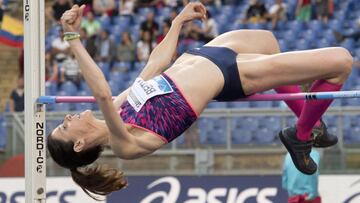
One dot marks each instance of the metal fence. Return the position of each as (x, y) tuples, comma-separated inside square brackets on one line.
[(206, 156)]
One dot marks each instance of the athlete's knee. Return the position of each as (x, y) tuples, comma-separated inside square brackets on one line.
[(269, 40), (343, 60), (275, 47)]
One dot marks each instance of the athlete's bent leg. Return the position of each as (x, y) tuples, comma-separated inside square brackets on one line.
[(329, 66)]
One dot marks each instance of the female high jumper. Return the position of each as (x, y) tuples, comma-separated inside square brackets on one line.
[(160, 105)]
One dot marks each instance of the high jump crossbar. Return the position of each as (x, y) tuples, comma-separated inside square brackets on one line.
[(256, 97)]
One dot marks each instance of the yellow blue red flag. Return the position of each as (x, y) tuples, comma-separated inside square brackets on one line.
[(12, 32)]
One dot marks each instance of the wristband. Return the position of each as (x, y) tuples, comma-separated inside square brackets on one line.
[(68, 36)]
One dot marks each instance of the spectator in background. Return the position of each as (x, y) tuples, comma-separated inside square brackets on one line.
[(103, 7), (301, 188), (172, 15), (81, 2), (322, 10), (303, 10), (149, 25), (105, 47), (277, 12), (353, 33), (126, 49), (17, 97), (189, 34), (145, 3), (172, 3), (57, 9), (256, 13), (60, 48), (126, 7), (87, 3), (70, 71), (91, 25), (88, 42), (144, 46), (209, 28), (217, 3), (51, 69), (165, 29)]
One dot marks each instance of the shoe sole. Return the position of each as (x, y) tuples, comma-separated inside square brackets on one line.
[(283, 140)]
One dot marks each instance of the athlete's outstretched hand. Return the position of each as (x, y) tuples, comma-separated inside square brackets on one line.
[(71, 19), (193, 10)]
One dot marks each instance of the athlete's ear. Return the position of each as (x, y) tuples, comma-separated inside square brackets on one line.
[(79, 145)]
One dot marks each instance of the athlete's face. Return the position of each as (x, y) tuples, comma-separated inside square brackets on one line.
[(74, 126)]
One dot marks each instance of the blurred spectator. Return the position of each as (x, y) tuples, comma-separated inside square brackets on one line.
[(277, 12), (126, 7), (88, 4), (126, 49), (51, 69), (60, 48), (209, 28), (144, 47), (172, 15), (149, 25), (70, 71), (303, 10), (189, 34), (103, 7), (88, 42), (17, 97), (191, 136), (165, 29), (106, 47), (91, 25), (352, 33), (81, 2), (159, 4), (217, 3), (322, 10), (301, 188), (55, 12), (156, 3), (256, 13), (172, 3)]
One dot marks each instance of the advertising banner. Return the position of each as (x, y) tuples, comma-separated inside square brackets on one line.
[(203, 189), (189, 189)]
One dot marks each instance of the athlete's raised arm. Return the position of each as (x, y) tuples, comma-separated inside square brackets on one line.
[(161, 56), (94, 77)]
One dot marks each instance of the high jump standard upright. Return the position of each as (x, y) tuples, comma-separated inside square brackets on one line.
[(34, 47)]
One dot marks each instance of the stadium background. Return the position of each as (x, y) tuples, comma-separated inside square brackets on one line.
[(231, 153)]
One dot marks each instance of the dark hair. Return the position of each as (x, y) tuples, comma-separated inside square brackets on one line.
[(97, 179)]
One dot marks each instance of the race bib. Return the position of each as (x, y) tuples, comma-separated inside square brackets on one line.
[(141, 91)]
